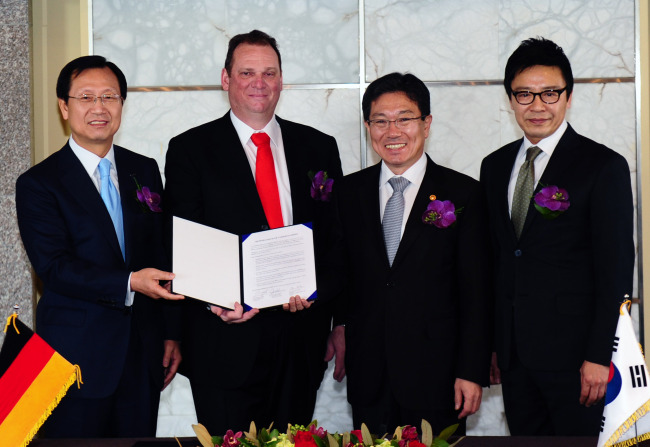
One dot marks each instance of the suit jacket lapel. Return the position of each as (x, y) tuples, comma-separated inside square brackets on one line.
[(297, 166), (369, 210), (225, 147), (414, 226), (562, 157), (502, 183), (75, 178), (125, 173)]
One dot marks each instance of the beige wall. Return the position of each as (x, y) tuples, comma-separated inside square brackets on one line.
[(60, 33)]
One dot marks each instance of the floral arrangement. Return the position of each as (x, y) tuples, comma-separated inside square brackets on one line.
[(314, 436), (149, 201), (551, 201), (321, 186), (440, 213)]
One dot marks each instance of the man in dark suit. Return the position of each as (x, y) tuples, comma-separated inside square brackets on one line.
[(561, 275), (269, 368), (96, 262), (416, 295)]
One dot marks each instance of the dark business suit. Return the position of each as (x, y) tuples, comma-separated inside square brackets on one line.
[(559, 286), (420, 324), (71, 243), (262, 362)]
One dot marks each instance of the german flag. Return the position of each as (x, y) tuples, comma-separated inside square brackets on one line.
[(33, 380)]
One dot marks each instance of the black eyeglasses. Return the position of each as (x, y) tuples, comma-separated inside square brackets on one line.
[(548, 96)]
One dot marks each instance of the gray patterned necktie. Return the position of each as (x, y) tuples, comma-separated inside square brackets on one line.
[(524, 190), (393, 216)]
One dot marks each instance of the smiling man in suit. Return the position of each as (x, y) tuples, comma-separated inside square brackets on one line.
[(416, 294), (245, 172), (559, 277), (94, 246)]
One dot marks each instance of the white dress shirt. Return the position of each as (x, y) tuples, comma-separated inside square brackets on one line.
[(414, 174), (90, 162), (272, 129), (547, 145)]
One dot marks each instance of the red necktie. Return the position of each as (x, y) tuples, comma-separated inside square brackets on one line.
[(267, 183)]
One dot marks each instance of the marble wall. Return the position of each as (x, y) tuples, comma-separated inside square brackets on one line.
[(331, 50), (15, 156)]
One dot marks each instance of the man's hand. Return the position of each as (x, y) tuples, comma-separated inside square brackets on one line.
[(171, 359), (296, 304), (336, 347), (495, 372), (470, 393), (234, 316), (593, 380), (146, 281)]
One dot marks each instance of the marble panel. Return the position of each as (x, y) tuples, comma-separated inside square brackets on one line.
[(435, 40), (151, 119), (14, 12), (597, 36), (185, 42)]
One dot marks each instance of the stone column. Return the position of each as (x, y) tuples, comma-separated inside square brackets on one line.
[(16, 285)]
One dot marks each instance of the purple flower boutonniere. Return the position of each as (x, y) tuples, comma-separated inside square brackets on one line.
[(441, 213), (149, 201), (321, 186), (551, 201)]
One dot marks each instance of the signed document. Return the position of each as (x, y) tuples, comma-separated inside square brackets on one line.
[(258, 270)]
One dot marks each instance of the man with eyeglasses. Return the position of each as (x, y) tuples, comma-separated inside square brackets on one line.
[(94, 235), (561, 220), (412, 257)]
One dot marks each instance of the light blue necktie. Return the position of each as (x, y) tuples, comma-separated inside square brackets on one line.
[(393, 216), (111, 198)]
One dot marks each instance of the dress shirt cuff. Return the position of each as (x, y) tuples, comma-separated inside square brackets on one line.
[(130, 294)]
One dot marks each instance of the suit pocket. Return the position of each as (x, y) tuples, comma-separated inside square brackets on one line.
[(64, 316)]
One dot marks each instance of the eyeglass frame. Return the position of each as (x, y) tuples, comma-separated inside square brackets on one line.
[(95, 97), (559, 92), (405, 122)]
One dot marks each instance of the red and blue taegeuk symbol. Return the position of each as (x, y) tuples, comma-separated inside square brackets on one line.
[(613, 383)]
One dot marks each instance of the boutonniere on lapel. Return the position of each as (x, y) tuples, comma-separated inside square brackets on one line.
[(551, 201), (321, 186), (149, 201), (440, 213)]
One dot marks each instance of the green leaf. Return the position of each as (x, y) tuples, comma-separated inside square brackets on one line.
[(447, 432), (427, 433), (217, 440), (348, 437), (319, 442), (367, 437), (440, 443), (331, 440)]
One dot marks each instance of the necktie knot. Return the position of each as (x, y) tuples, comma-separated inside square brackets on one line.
[(532, 153), (260, 139), (398, 184), (104, 169)]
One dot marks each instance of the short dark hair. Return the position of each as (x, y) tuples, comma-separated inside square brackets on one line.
[(405, 83), (537, 51), (255, 37), (77, 66)]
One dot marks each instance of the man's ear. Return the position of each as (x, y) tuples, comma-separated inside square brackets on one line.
[(225, 79), (63, 106)]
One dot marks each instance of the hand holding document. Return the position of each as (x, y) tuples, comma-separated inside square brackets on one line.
[(257, 270)]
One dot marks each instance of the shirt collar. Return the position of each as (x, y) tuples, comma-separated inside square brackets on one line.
[(414, 174), (244, 131), (89, 160), (548, 144)]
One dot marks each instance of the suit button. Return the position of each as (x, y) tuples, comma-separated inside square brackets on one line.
[(390, 284), (517, 253), (264, 227)]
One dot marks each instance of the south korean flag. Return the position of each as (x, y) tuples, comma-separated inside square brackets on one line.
[(627, 401)]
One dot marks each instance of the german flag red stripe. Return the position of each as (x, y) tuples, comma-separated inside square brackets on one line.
[(19, 376)]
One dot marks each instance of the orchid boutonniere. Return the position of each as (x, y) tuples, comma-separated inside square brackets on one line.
[(321, 186), (149, 201), (440, 213), (551, 201)]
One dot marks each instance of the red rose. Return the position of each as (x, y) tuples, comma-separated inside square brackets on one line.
[(304, 439), (416, 443), (358, 434)]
